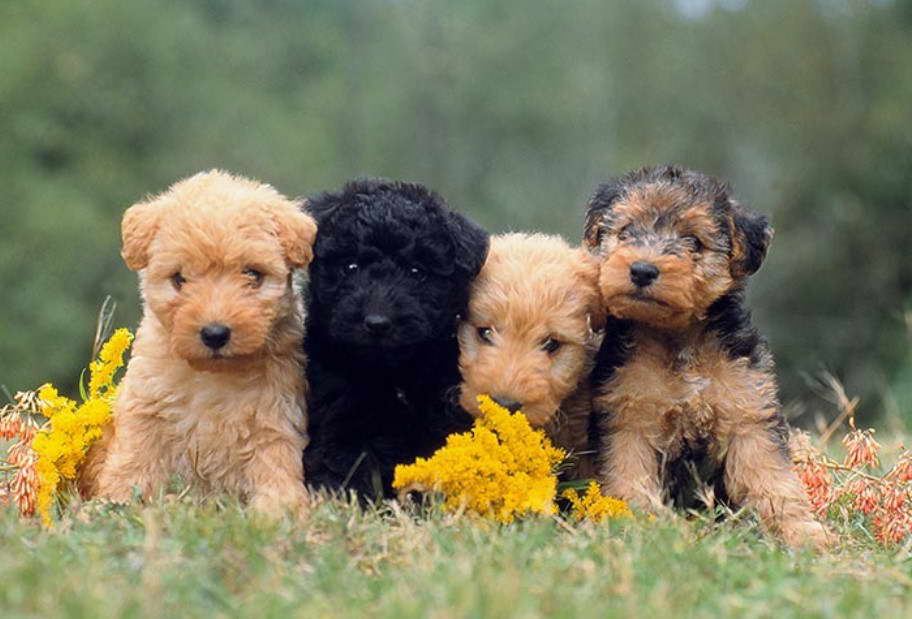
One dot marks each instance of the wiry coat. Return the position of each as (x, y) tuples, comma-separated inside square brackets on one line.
[(685, 388), (392, 253)]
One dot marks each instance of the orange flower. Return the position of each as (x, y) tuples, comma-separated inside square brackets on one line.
[(9, 427), (24, 487), (861, 449), (902, 470), (894, 499), (891, 529), (20, 481), (865, 494), (818, 484)]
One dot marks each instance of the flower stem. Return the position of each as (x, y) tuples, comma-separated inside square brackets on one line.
[(835, 466)]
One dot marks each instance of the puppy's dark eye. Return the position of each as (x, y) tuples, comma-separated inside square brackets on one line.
[(695, 243), (485, 334), (550, 345), (417, 272), (625, 233), (178, 281), (256, 277), (350, 268)]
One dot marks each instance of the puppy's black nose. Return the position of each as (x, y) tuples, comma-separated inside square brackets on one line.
[(215, 335), (511, 405), (643, 273), (377, 324)]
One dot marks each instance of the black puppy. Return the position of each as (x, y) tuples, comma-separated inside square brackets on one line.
[(390, 276)]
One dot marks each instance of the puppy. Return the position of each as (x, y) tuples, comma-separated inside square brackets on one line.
[(683, 380), (389, 280), (214, 389), (528, 339)]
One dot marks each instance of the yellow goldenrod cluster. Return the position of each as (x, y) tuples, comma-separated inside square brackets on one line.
[(501, 469), (62, 443), (594, 506)]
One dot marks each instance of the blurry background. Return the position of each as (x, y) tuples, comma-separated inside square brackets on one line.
[(513, 110)]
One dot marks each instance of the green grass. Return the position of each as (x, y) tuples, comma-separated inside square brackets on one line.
[(186, 558)]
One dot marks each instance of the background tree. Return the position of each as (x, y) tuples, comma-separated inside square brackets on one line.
[(514, 111)]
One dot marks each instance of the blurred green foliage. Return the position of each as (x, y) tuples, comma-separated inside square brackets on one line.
[(513, 110)]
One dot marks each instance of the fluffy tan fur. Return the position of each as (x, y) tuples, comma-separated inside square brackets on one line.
[(532, 289), (232, 420)]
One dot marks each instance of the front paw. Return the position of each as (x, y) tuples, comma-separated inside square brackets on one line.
[(275, 504), (803, 533), (121, 492), (638, 496)]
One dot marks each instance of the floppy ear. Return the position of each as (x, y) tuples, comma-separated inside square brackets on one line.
[(297, 232), (321, 207), (588, 269), (597, 209), (470, 241), (138, 227), (751, 237)]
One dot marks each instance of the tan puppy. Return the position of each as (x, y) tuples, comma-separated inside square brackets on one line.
[(528, 340), (214, 390)]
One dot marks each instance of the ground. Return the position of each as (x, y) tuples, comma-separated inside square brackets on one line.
[(181, 557)]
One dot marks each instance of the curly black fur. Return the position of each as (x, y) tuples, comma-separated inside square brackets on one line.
[(388, 253)]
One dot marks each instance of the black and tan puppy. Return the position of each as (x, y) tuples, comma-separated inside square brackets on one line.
[(390, 277), (682, 376)]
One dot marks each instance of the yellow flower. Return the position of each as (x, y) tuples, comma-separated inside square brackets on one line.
[(62, 443), (501, 469), (48, 478), (110, 359), (95, 413), (594, 506), (52, 402)]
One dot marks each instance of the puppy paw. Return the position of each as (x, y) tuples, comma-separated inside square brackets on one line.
[(121, 493), (275, 505), (641, 499), (804, 533)]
